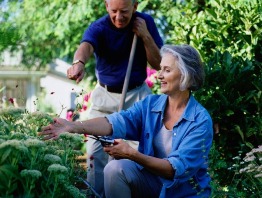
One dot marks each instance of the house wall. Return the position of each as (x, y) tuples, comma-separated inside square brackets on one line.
[(61, 93), (26, 86)]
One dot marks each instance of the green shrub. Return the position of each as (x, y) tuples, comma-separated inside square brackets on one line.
[(228, 35), (30, 167)]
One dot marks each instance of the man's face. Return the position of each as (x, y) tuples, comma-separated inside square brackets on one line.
[(120, 11)]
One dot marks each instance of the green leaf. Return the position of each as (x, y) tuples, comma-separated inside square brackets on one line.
[(251, 146), (240, 132), (7, 172), (227, 58), (212, 13), (229, 112), (5, 154)]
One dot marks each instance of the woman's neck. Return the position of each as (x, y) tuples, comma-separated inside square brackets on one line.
[(175, 108)]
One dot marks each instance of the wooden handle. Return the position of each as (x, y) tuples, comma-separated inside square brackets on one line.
[(128, 72)]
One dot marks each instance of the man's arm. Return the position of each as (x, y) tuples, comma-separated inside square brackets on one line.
[(152, 51), (83, 53)]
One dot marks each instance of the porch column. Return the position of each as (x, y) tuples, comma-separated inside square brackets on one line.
[(31, 94)]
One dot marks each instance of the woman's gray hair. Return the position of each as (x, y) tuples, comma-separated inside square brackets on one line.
[(189, 64)]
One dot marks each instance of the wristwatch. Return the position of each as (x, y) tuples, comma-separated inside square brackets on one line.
[(78, 61)]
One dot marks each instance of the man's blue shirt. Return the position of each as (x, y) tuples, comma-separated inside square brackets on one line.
[(191, 142), (112, 48)]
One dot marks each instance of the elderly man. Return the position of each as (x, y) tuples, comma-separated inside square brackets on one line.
[(110, 39)]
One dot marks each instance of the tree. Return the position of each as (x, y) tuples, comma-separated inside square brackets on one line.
[(49, 29), (9, 34)]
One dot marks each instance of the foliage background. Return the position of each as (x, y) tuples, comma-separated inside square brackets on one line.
[(228, 35)]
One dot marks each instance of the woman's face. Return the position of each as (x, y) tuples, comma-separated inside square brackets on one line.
[(169, 74), (120, 11)]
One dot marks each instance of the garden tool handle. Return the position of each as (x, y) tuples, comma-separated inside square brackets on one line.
[(128, 72)]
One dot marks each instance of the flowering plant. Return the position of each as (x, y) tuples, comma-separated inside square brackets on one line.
[(247, 174), (252, 163), (152, 80), (30, 167)]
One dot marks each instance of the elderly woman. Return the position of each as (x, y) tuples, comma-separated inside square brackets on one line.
[(174, 132)]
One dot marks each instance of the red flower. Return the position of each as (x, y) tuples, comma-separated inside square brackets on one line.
[(11, 100)]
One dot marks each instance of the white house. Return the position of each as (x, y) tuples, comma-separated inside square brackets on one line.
[(25, 86), (61, 92)]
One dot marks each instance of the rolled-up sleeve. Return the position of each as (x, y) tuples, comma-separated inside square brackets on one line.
[(127, 124), (118, 124)]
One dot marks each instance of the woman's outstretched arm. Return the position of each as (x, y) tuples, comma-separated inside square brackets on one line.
[(97, 126)]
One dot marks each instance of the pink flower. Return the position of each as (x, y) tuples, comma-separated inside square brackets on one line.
[(84, 107), (87, 96), (69, 115), (150, 71), (149, 83)]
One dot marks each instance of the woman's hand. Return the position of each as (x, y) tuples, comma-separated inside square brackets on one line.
[(120, 150), (53, 130)]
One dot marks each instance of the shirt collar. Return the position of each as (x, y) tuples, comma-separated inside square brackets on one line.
[(160, 104), (189, 112)]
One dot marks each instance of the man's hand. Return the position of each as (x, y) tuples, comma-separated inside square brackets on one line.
[(120, 150), (53, 130), (76, 72), (140, 27), (152, 51)]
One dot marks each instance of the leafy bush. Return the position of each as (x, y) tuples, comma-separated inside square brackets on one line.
[(228, 36), (30, 167)]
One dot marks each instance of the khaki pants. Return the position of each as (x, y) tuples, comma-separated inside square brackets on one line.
[(104, 103)]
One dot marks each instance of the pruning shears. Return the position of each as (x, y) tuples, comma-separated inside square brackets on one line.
[(104, 140)]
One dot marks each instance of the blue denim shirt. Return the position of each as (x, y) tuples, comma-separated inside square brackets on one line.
[(192, 139)]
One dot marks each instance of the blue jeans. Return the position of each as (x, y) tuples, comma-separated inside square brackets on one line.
[(122, 178)]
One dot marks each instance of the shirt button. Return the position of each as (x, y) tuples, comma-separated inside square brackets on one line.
[(174, 134)]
